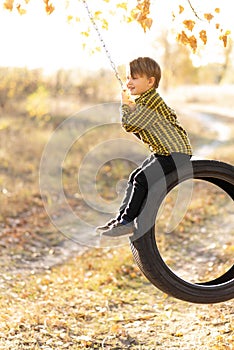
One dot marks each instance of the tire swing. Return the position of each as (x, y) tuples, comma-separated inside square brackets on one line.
[(147, 255)]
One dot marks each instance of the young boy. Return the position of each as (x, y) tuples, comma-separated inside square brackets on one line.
[(152, 121)]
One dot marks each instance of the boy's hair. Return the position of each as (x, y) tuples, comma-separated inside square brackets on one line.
[(147, 66)]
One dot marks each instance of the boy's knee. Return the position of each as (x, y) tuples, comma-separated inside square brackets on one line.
[(132, 176), (141, 180)]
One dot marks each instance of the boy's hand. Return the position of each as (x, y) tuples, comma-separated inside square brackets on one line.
[(126, 99)]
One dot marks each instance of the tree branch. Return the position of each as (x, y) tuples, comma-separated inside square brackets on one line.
[(193, 9)]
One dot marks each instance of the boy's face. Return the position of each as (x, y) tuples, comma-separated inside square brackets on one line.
[(138, 84)]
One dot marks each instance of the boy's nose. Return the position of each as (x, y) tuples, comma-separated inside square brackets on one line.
[(128, 82)]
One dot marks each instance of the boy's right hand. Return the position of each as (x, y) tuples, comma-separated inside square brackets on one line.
[(126, 99)]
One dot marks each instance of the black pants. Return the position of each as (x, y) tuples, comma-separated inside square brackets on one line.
[(141, 180)]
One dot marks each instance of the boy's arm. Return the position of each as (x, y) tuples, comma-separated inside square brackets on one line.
[(137, 117)]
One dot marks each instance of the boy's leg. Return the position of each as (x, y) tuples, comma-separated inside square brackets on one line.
[(134, 197), (153, 171), (127, 194), (150, 173), (131, 183), (124, 203)]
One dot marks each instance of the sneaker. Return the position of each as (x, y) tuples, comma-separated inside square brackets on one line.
[(106, 226), (118, 229)]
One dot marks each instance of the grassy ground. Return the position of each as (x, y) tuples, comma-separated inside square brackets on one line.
[(99, 301), (94, 300)]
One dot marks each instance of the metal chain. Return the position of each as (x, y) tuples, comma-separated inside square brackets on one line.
[(92, 20)]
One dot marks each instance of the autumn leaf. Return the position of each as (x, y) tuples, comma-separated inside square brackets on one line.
[(69, 18), (122, 5), (140, 14), (181, 9), (85, 34), (208, 16), (217, 10), (203, 36), (148, 22), (20, 10), (8, 5), (49, 7), (97, 13), (189, 24), (188, 40), (105, 24), (224, 37), (183, 38)]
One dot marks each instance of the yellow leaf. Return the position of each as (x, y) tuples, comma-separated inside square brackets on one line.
[(208, 16), (148, 22), (49, 7), (191, 41), (105, 24), (69, 18), (8, 5), (20, 10), (217, 26), (181, 9), (97, 13), (183, 38), (189, 24), (203, 36), (217, 10), (224, 39), (122, 5), (85, 33), (179, 334)]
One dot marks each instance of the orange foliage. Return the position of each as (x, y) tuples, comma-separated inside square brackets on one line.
[(181, 9), (185, 39), (188, 40), (20, 9), (49, 7), (141, 13), (208, 16), (225, 37), (8, 5), (189, 24), (203, 36)]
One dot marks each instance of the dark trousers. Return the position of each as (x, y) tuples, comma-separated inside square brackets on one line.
[(142, 179)]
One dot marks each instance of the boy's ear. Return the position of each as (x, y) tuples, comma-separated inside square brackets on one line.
[(151, 81)]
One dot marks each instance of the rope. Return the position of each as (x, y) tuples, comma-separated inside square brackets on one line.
[(113, 66)]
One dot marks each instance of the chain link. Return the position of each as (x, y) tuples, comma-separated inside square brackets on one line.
[(113, 66)]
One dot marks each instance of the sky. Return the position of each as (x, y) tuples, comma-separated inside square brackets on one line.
[(38, 40)]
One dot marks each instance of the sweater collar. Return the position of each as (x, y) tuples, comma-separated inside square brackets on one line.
[(146, 94)]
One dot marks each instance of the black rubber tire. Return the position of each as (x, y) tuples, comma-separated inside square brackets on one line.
[(150, 262)]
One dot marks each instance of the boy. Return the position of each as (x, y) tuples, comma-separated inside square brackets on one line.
[(152, 121)]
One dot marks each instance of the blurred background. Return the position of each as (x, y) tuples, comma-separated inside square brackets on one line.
[(53, 66)]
